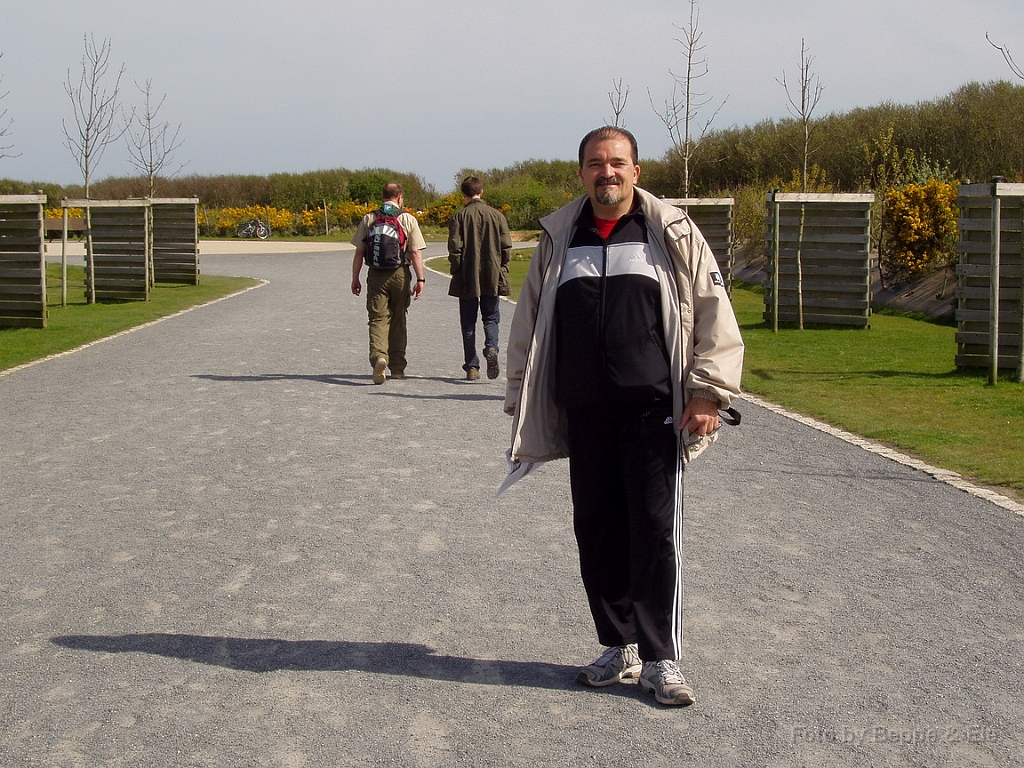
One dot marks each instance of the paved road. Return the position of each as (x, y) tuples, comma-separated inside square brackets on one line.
[(224, 546)]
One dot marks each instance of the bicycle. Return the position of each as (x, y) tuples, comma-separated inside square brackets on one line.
[(253, 228)]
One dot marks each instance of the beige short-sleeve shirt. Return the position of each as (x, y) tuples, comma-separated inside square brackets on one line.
[(413, 236)]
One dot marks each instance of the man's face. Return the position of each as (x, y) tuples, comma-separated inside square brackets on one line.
[(608, 174)]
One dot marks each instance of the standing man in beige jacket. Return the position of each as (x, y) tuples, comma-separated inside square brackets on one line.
[(623, 347)]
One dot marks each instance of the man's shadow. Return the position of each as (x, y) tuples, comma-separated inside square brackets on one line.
[(360, 380), (270, 655)]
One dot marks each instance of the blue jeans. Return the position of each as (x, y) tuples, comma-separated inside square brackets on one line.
[(488, 309)]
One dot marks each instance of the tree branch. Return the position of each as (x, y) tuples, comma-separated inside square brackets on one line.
[(1007, 57)]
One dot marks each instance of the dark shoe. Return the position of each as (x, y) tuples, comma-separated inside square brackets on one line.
[(472, 374), (397, 375), (666, 682), (615, 664), (380, 370), (493, 369)]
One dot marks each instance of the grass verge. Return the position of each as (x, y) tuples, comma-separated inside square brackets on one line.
[(80, 323), (895, 383), (517, 267)]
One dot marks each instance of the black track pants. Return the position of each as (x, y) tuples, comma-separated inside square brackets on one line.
[(627, 494)]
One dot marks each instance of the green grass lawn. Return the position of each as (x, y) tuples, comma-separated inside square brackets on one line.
[(895, 383), (80, 323), (516, 268)]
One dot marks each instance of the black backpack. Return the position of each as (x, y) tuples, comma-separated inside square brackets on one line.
[(385, 241)]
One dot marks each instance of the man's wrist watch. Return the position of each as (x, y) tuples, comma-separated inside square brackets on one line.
[(420, 280)]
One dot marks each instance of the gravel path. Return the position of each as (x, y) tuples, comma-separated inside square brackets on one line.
[(224, 546)]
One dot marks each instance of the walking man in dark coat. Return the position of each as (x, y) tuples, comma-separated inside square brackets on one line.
[(479, 249)]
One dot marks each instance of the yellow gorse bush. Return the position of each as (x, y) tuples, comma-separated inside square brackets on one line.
[(224, 221), (920, 228), (441, 210), (346, 214), (58, 213)]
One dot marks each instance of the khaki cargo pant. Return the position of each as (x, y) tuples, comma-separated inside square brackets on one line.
[(387, 302)]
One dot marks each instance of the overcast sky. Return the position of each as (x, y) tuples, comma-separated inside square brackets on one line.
[(434, 86)]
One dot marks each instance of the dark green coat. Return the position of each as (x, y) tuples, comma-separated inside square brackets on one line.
[(479, 247)]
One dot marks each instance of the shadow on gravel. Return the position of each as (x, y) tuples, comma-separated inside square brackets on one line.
[(269, 655), (391, 389)]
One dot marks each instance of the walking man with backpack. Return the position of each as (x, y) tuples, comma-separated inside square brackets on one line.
[(389, 241), (479, 249)]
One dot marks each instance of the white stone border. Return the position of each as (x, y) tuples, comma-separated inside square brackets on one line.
[(944, 475), (129, 330)]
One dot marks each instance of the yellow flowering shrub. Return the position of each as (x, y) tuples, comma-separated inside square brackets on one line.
[(441, 210), (224, 221), (348, 213), (58, 213), (920, 229)]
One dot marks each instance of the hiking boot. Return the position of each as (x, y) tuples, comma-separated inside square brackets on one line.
[(472, 374), (398, 374), (664, 679), (380, 370), (617, 663), (493, 369)]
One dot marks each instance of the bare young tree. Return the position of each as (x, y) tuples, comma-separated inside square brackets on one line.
[(5, 126), (618, 98), (802, 108), (1014, 67), (803, 103), (151, 144), (95, 109), (680, 114)]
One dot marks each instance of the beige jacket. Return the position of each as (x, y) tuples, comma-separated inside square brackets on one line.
[(705, 348)]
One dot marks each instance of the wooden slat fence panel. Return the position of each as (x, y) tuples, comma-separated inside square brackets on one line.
[(175, 240), (713, 217), (118, 237), (835, 259), (22, 262), (974, 276)]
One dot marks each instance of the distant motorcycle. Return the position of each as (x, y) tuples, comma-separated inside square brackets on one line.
[(254, 228)]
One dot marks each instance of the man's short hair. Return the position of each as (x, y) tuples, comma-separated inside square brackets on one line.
[(472, 186), (392, 191), (609, 132)]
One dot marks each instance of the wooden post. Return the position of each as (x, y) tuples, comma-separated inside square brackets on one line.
[(148, 225), (775, 261), (800, 267), (1020, 347), (42, 254), (64, 260), (993, 374)]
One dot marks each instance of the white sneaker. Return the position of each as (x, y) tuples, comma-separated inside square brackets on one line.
[(664, 679), (615, 664)]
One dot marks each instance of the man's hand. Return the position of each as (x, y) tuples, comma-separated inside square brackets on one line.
[(700, 416), (357, 267), (417, 289)]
